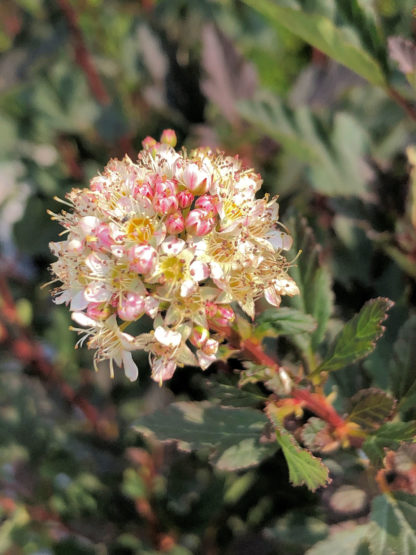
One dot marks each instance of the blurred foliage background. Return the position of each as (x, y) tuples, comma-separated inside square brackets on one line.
[(82, 81)]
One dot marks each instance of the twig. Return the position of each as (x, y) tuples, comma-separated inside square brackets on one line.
[(401, 101), (314, 402), (82, 54)]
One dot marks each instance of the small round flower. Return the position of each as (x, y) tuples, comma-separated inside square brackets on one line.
[(131, 306), (175, 223), (185, 199), (142, 258), (199, 222), (178, 237)]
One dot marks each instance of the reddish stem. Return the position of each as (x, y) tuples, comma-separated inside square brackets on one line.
[(255, 350), (82, 55), (401, 101), (314, 402), (318, 404)]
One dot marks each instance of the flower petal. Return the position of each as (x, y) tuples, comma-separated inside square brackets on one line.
[(130, 367)]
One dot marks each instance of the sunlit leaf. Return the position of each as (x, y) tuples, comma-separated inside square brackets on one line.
[(304, 468), (323, 34)]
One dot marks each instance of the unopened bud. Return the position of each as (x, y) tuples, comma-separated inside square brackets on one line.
[(98, 311), (185, 199), (168, 137), (206, 202), (142, 258), (195, 179), (199, 222), (149, 142), (131, 306), (165, 205), (175, 223)]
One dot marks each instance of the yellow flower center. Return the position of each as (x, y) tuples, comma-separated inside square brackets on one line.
[(172, 268), (140, 229)]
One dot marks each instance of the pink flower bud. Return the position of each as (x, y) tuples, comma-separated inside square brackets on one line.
[(98, 311), (199, 336), (131, 306), (208, 203), (199, 222), (142, 258), (175, 223), (143, 190), (185, 199), (195, 179), (219, 315), (226, 315), (165, 205), (165, 188), (169, 137), (149, 142)]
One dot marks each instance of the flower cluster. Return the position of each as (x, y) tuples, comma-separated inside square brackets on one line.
[(179, 237)]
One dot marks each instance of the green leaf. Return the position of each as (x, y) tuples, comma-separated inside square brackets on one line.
[(285, 321), (358, 337), (334, 154), (304, 468), (314, 282), (347, 542), (393, 524), (232, 435), (403, 367), (268, 113), (389, 436), (320, 32), (223, 392), (370, 408)]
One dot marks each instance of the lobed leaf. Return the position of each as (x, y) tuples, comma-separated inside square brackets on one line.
[(370, 408), (232, 435), (393, 524), (403, 366), (334, 154), (304, 468), (314, 282), (224, 392), (358, 337), (286, 321), (389, 436)]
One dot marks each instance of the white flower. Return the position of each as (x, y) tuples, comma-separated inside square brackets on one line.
[(117, 263), (110, 343)]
